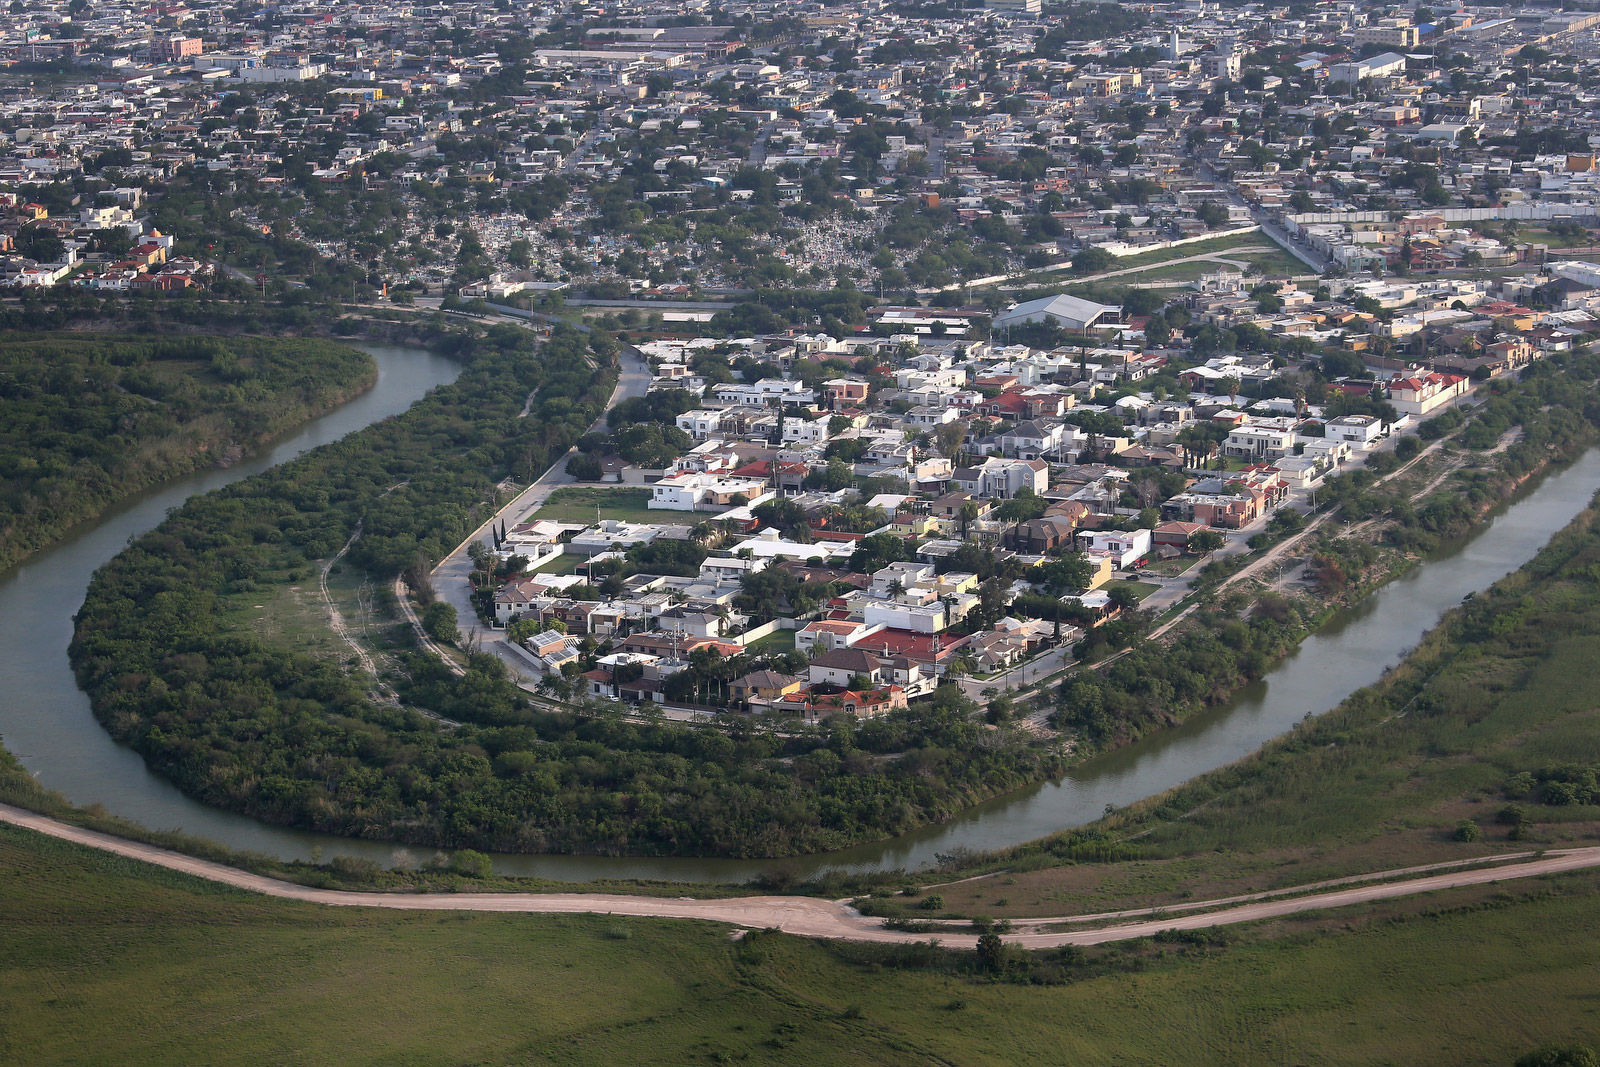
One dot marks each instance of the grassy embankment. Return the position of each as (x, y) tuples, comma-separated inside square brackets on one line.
[(1390, 778), (86, 421), (109, 961)]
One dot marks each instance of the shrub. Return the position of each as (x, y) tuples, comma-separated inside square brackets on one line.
[(1467, 830), (470, 864), (931, 903)]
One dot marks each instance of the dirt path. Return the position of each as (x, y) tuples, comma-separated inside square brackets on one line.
[(336, 617), (807, 916)]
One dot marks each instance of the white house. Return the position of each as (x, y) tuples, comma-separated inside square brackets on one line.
[(1359, 430), (1260, 443), (692, 492), (897, 615), (1422, 394), (1125, 546)]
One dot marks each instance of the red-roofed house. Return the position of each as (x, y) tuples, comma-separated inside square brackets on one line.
[(1422, 394)]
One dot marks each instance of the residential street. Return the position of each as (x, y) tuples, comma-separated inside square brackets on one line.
[(450, 576)]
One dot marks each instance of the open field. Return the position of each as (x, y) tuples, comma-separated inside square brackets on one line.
[(109, 961), (578, 504), (1503, 687)]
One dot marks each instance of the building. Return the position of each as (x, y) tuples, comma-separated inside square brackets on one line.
[(172, 49), (1390, 33), (1067, 312), (1015, 7), (1378, 66), (1422, 394), (1221, 64), (1258, 443), (1127, 547)]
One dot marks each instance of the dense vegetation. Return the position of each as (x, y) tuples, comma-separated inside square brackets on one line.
[(292, 739), (1555, 408), (88, 420)]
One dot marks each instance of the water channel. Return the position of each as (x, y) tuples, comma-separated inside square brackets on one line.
[(46, 722)]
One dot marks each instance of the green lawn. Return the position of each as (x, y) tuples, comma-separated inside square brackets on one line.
[(1139, 589), (565, 563), (777, 641), (105, 961), (578, 504), (1504, 685)]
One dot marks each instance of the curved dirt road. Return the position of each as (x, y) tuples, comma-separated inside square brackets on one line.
[(803, 916)]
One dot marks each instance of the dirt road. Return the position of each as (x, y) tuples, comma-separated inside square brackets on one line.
[(802, 916)]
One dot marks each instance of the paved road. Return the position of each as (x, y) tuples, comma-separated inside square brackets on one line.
[(450, 576), (758, 150), (803, 916), (580, 149)]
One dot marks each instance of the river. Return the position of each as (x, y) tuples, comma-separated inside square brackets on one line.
[(46, 722)]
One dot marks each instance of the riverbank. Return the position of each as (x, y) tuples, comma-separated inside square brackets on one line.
[(1463, 750), (217, 975), (93, 420)]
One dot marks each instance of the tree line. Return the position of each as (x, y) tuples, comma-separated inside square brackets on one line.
[(86, 421)]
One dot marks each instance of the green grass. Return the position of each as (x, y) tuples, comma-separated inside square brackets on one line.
[(106, 961), (578, 504), (777, 641), (1384, 779), (562, 564), (1139, 589)]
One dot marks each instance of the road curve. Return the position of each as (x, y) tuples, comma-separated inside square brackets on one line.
[(802, 916)]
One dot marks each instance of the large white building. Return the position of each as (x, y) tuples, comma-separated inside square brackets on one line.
[(1067, 312), (694, 492)]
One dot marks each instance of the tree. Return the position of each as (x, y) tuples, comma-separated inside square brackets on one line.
[(993, 953), (948, 438), (470, 864), (439, 622), (1213, 215), (1092, 261), (1203, 541)]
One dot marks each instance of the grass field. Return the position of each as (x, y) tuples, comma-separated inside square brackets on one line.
[(106, 961), (578, 504), (1138, 589), (1382, 781)]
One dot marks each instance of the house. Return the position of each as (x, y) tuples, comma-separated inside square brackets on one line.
[(1360, 431), (764, 687), (1175, 534), (693, 492), (1258, 443), (824, 635), (1003, 478), (814, 705), (1422, 394), (1031, 440), (1043, 535), (1127, 547), (843, 666)]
